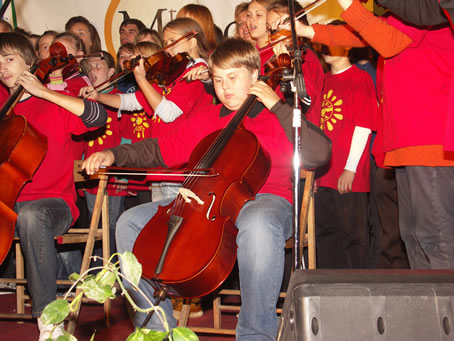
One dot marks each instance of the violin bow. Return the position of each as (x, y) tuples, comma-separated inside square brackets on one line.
[(116, 78), (303, 12), (4, 8)]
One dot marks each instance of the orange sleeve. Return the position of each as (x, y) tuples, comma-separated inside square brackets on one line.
[(373, 31), (338, 35), (384, 38)]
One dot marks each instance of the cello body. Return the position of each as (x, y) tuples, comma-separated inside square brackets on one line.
[(23, 150), (194, 258)]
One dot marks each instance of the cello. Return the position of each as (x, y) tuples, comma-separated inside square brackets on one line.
[(23, 149), (188, 248)]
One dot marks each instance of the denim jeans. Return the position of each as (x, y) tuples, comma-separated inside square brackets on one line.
[(426, 215), (264, 225), (129, 225), (38, 222)]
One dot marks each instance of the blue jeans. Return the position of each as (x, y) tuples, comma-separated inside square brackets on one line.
[(426, 215), (129, 225), (38, 222), (264, 225)]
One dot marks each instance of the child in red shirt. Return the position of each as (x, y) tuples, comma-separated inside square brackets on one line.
[(100, 70), (46, 205), (349, 107)]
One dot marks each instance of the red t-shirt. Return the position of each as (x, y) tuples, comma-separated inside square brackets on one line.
[(348, 100), (54, 178), (177, 148), (187, 96), (74, 83), (104, 137), (417, 89)]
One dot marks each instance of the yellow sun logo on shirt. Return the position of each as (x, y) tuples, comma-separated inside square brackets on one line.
[(106, 134), (331, 111), (140, 124)]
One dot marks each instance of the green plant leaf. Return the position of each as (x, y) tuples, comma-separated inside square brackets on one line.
[(96, 291), (66, 337), (130, 267), (74, 276), (93, 336), (144, 334), (106, 277), (183, 334), (55, 312)]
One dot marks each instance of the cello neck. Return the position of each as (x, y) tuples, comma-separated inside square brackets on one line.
[(224, 136)]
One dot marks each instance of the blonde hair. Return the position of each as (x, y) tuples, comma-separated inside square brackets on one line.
[(240, 8), (146, 48), (183, 26), (235, 53), (156, 38), (203, 17)]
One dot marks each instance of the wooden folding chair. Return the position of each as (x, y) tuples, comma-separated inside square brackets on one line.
[(307, 234), (72, 236)]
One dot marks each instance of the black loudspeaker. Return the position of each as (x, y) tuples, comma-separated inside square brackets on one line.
[(369, 305)]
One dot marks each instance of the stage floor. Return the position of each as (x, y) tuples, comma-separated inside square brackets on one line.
[(92, 319)]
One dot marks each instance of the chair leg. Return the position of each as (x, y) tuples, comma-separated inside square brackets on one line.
[(100, 198), (184, 314), (217, 312), (106, 247), (20, 274), (311, 251)]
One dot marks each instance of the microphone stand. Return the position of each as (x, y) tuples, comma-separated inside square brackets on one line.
[(299, 93)]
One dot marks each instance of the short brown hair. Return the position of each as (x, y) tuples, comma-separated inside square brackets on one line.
[(235, 53), (18, 43)]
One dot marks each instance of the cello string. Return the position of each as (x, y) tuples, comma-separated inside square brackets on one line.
[(215, 148)]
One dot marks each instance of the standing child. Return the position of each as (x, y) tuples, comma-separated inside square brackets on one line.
[(349, 107), (46, 205)]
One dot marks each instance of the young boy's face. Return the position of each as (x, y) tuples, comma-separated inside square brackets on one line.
[(232, 85), (98, 71), (11, 67)]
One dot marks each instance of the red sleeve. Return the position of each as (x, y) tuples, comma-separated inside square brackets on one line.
[(144, 103), (186, 95)]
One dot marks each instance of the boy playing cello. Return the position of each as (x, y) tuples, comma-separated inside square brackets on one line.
[(263, 224)]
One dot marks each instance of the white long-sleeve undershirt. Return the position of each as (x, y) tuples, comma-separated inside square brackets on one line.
[(167, 110), (359, 141)]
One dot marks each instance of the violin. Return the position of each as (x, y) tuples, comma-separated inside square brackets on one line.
[(280, 35), (161, 68), (173, 66), (23, 150), (275, 67)]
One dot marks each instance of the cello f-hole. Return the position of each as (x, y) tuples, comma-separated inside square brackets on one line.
[(213, 218)]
